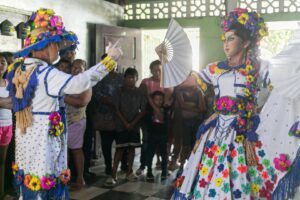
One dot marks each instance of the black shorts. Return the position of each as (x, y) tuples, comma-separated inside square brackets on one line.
[(128, 139)]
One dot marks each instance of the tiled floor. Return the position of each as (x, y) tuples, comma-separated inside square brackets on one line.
[(125, 190)]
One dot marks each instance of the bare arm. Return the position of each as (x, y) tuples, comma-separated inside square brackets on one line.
[(5, 102), (79, 100), (137, 118), (144, 89), (123, 120)]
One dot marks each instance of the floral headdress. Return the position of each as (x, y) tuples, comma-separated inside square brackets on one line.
[(252, 21), (42, 28)]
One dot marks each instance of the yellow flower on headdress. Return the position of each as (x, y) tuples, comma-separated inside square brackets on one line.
[(50, 12), (33, 39), (243, 18), (41, 11), (223, 37), (263, 32), (35, 184)]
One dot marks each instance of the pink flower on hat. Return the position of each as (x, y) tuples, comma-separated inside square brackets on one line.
[(282, 163), (56, 22)]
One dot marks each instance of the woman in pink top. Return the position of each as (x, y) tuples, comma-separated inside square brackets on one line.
[(152, 84), (148, 86)]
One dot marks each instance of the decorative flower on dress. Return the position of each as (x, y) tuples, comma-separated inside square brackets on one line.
[(204, 171), (226, 105), (54, 118), (65, 176), (15, 168), (237, 194), (34, 184), (27, 180), (202, 183), (212, 193), (19, 177), (56, 126), (48, 182), (295, 130), (214, 69), (239, 138), (282, 163), (218, 182), (255, 188), (179, 181)]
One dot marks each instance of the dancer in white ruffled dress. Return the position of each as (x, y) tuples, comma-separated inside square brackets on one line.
[(238, 154)]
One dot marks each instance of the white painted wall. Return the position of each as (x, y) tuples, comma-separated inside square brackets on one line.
[(75, 14)]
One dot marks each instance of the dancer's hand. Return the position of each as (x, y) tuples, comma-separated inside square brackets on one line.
[(161, 51), (114, 52)]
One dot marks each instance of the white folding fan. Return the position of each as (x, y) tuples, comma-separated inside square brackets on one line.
[(175, 53)]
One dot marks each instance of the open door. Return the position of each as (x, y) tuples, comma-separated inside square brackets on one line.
[(129, 41)]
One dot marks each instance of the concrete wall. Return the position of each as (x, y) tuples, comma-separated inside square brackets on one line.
[(76, 15)]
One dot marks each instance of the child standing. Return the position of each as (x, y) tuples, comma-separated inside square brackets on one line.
[(130, 108), (5, 124), (157, 134)]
